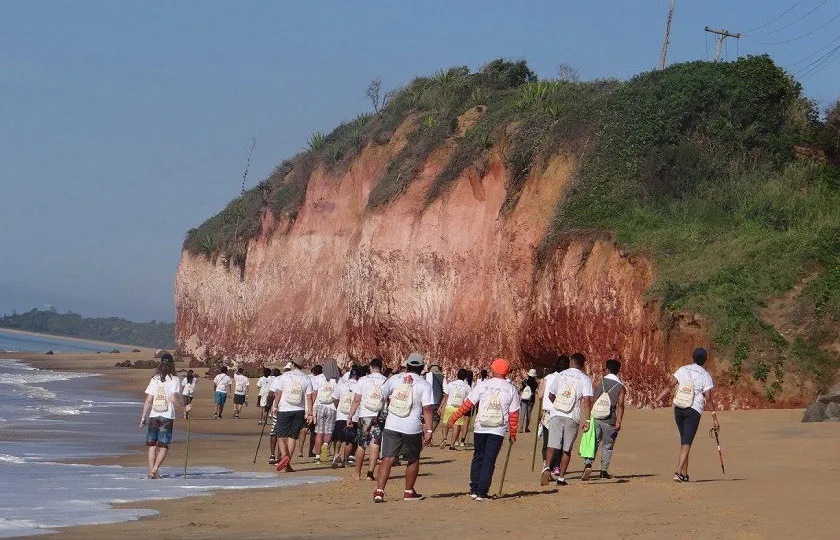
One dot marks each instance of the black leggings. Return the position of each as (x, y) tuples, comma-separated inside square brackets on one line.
[(688, 420)]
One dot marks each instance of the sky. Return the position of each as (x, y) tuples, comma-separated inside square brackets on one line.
[(124, 124)]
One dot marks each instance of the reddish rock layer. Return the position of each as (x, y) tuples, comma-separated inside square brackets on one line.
[(456, 280)]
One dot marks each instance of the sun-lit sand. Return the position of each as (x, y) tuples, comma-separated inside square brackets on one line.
[(781, 481)]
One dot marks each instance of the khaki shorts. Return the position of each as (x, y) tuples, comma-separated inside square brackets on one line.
[(562, 432)]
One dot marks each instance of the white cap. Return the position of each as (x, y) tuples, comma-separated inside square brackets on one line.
[(532, 372)]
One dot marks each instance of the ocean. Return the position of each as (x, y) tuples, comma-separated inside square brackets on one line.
[(51, 421)]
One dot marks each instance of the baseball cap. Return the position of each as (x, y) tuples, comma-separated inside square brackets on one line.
[(532, 372), (415, 359), (500, 366)]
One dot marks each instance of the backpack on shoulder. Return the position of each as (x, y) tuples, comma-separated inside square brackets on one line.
[(373, 399), (526, 393), (346, 402), (456, 398), (402, 399), (294, 395), (602, 408), (566, 398), (684, 398), (325, 393), (490, 413), (160, 403)]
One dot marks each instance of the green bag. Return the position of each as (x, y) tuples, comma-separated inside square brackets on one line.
[(587, 442)]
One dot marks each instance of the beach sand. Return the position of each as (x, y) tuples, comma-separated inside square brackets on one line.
[(781, 481)]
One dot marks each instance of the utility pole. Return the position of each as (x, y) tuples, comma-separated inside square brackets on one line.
[(667, 36), (721, 36)]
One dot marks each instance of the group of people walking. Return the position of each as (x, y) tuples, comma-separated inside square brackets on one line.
[(391, 416)]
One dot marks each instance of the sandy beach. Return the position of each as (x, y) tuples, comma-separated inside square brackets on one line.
[(781, 478)]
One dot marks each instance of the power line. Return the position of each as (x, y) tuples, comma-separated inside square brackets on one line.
[(826, 23), (818, 6), (817, 65), (776, 18), (814, 53)]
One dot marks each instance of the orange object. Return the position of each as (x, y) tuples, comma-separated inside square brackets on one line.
[(513, 423), (500, 366)]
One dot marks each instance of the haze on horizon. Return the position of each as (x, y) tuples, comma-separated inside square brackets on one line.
[(126, 124)]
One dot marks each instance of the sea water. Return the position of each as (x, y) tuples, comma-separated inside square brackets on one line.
[(50, 420)]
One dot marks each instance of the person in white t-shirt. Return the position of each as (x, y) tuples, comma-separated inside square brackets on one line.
[(692, 388), (222, 382), (498, 411), (264, 389), (369, 407), (344, 431), (560, 365), (240, 391), (162, 394), (410, 405), (188, 390), (292, 408), (454, 394), (571, 396), (325, 411)]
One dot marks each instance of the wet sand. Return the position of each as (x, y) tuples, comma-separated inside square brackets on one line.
[(781, 481)]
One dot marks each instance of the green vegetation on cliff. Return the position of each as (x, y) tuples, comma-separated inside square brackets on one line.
[(695, 166), (111, 329)]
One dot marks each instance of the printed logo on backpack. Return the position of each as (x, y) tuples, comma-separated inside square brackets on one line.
[(402, 398), (490, 413), (160, 403)]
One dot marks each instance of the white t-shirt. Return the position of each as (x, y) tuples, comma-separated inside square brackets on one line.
[(284, 382), (262, 384), (342, 390), (583, 388), (422, 397), (702, 383), (456, 387), (188, 389), (547, 405), (170, 387), (240, 384), (365, 384), (222, 381), (508, 397), (319, 381)]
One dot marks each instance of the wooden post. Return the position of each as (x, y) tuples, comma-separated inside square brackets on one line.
[(667, 36), (721, 36)]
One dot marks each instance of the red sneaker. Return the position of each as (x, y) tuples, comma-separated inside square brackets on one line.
[(411, 495), (378, 495)]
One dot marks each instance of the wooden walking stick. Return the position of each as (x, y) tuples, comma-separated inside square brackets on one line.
[(187, 450), (259, 442), (504, 469), (536, 438), (714, 433)]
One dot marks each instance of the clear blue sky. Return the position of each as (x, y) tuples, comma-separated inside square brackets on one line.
[(123, 124)]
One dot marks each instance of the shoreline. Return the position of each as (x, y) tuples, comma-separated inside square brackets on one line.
[(78, 340), (763, 449)]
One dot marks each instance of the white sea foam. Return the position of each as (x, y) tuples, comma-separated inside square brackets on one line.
[(6, 458), (45, 504)]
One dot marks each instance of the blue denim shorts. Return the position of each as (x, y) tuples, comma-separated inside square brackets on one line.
[(220, 398), (159, 432)]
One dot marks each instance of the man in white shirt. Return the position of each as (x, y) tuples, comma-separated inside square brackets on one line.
[(692, 386), (162, 394), (292, 408), (222, 382), (571, 396), (498, 410), (344, 432), (240, 390), (410, 406), (560, 365), (262, 400), (369, 405)]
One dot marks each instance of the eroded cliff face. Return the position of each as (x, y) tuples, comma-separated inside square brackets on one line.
[(457, 280)]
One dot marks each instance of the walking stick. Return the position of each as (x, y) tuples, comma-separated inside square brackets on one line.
[(536, 438), (504, 470), (714, 433), (187, 450), (259, 442)]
